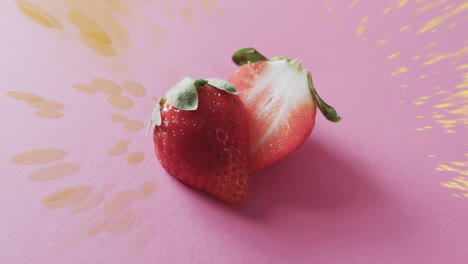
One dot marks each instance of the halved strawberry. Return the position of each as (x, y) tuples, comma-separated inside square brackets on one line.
[(201, 137), (281, 104)]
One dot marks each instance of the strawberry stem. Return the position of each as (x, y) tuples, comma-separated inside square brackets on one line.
[(328, 111), (247, 55)]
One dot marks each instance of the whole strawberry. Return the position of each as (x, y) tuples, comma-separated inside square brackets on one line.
[(201, 137), (281, 103)]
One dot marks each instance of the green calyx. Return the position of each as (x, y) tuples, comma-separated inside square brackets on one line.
[(328, 111), (184, 96), (247, 55), (156, 116), (251, 55)]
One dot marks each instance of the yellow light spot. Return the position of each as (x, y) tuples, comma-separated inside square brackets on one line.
[(118, 150), (402, 102), (208, 5), (52, 114), (430, 5), (402, 3), (401, 70), (458, 54), (123, 142), (105, 86), (447, 122), (119, 201), (457, 170), (353, 4), (448, 7), (404, 85), (449, 131), (443, 105), (462, 67), (38, 14), (420, 116), (90, 27), (134, 125), (450, 26), (119, 118), (365, 19), (422, 76), (388, 9), (38, 156), (146, 189), (120, 102), (117, 6), (424, 98), (23, 96), (458, 163), (440, 19), (84, 88), (464, 83), (381, 42), (96, 229), (90, 202), (360, 30), (54, 172), (65, 197), (418, 103), (46, 105), (416, 57), (96, 45), (136, 157), (143, 238), (438, 116), (404, 28), (393, 55), (437, 88), (432, 44), (187, 12), (134, 89), (431, 156)]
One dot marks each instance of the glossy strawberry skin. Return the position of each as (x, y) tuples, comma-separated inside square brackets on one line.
[(208, 148)]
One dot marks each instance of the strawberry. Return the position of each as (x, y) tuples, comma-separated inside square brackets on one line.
[(201, 137), (281, 104)]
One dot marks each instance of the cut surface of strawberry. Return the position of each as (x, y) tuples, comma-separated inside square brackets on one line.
[(281, 105)]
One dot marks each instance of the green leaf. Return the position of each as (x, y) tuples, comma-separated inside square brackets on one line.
[(155, 116), (328, 111), (199, 82), (184, 95), (247, 55), (223, 85)]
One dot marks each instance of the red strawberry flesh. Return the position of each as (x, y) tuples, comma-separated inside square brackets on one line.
[(280, 105)]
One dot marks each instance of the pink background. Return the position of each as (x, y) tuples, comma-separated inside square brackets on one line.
[(385, 185)]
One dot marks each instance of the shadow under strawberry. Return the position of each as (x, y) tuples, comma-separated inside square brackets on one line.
[(313, 178)]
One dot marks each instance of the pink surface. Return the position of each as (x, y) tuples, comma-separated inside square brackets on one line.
[(385, 185)]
